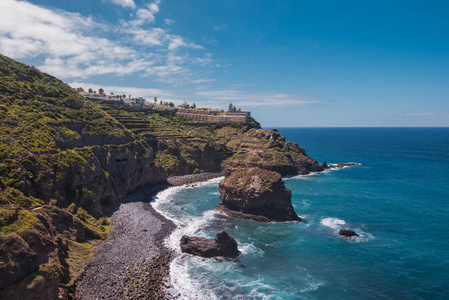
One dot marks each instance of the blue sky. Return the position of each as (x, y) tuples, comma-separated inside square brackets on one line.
[(292, 62)]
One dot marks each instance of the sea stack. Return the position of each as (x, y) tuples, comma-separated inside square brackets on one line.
[(256, 194)]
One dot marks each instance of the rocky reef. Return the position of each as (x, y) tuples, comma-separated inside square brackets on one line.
[(222, 245), (256, 194), (347, 233)]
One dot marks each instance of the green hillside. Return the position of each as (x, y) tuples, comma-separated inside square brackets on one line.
[(66, 161)]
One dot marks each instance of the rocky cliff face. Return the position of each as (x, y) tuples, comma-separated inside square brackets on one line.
[(96, 177), (267, 149), (256, 194), (182, 158), (35, 256)]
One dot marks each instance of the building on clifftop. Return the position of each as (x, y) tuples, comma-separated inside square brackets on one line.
[(213, 116)]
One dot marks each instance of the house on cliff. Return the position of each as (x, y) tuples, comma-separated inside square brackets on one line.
[(213, 116)]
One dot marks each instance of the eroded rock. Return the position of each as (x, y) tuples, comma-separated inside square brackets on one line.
[(222, 245), (347, 233), (256, 194)]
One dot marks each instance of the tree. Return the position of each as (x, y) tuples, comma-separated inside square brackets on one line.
[(80, 89), (155, 100), (101, 91), (90, 91), (185, 104), (232, 108), (193, 105), (160, 102), (112, 94), (171, 104), (129, 96)]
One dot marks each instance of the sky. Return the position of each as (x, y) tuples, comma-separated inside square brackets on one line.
[(292, 63)]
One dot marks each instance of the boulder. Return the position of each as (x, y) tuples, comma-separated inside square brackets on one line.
[(256, 194), (324, 165), (347, 233), (222, 245)]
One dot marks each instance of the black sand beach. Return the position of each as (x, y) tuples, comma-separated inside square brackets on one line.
[(132, 262)]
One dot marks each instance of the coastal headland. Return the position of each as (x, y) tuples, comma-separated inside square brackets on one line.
[(77, 176)]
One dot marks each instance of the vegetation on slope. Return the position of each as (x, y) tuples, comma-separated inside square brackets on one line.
[(64, 159), (51, 140), (40, 114)]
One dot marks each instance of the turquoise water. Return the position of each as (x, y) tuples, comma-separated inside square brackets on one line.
[(397, 200)]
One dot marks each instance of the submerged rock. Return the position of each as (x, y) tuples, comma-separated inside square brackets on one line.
[(222, 245), (256, 194), (347, 233), (342, 165)]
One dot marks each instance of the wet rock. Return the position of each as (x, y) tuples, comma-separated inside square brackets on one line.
[(256, 194), (342, 165), (347, 233), (222, 245)]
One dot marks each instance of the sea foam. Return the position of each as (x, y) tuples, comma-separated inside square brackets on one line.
[(333, 223)]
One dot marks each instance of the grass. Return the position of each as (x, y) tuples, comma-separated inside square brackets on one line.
[(78, 253), (24, 221)]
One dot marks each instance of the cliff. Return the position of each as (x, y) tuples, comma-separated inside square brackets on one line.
[(65, 161), (267, 149)]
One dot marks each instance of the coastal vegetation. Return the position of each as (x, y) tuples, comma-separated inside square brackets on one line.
[(67, 161)]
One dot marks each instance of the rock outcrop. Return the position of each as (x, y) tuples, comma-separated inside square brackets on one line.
[(256, 194), (222, 245), (343, 165), (35, 261), (267, 149), (347, 233), (97, 177)]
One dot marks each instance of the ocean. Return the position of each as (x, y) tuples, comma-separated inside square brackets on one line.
[(397, 200)]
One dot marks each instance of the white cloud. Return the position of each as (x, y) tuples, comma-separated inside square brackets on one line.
[(207, 60), (150, 37), (420, 114), (202, 80), (169, 21), (145, 15), (217, 97), (221, 27), (159, 37), (61, 36), (124, 3), (69, 45)]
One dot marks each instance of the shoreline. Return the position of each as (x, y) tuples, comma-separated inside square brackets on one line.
[(133, 261), (193, 178)]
